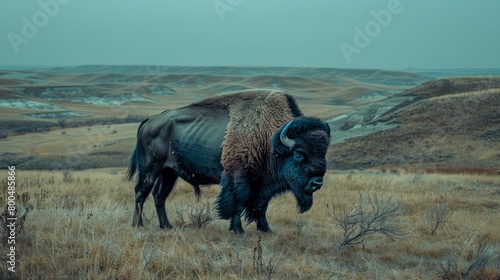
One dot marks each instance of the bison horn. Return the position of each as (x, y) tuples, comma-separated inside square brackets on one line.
[(284, 139)]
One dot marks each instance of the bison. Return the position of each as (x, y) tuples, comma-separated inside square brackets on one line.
[(255, 143)]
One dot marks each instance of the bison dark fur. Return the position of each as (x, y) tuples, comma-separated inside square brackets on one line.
[(256, 144)]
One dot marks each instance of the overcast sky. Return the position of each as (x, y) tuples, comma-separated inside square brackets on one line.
[(386, 34)]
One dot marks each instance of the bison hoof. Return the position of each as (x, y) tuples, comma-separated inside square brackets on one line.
[(165, 227), (237, 230), (264, 229), (137, 224)]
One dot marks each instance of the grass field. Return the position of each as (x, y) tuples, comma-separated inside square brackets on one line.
[(79, 227)]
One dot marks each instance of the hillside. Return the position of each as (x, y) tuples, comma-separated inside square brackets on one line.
[(87, 116), (36, 100), (453, 122)]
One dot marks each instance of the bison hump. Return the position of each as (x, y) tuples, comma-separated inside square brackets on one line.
[(252, 123)]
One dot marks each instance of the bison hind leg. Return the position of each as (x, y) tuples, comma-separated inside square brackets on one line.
[(145, 182), (142, 190), (163, 186)]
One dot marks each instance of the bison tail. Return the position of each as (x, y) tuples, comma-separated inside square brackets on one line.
[(134, 159), (133, 166)]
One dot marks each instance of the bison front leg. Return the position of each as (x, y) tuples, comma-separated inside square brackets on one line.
[(241, 196), (231, 200), (262, 224), (235, 224)]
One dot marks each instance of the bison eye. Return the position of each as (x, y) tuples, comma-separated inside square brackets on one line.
[(299, 156)]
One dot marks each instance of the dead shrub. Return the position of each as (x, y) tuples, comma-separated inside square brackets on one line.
[(260, 267), (198, 214), (472, 261), (366, 216), (436, 216)]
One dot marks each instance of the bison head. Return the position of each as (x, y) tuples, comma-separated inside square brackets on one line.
[(299, 150)]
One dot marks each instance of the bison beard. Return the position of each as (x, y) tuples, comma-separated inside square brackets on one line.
[(255, 143), (304, 201)]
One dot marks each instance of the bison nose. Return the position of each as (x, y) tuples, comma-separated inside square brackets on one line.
[(314, 184)]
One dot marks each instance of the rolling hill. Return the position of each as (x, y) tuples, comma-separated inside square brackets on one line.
[(451, 122), (87, 116)]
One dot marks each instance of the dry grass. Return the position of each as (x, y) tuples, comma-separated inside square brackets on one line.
[(78, 227)]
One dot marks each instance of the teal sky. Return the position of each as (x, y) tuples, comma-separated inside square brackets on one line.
[(385, 34)]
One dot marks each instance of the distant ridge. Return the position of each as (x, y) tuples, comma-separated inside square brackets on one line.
[(251, 70), (450, 122), (458, 72), (407, 78)]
